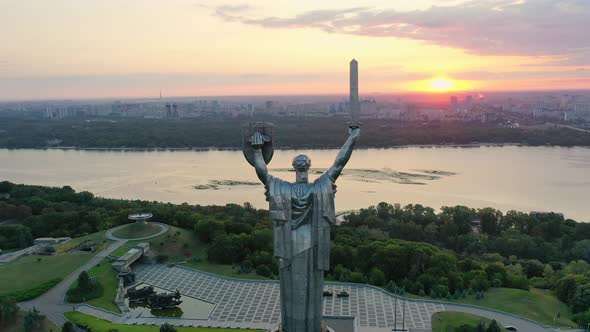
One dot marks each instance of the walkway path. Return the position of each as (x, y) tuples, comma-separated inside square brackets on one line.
[(9, 257), (51, 303)]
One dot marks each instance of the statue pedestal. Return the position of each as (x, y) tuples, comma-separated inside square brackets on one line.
[(325, 328)]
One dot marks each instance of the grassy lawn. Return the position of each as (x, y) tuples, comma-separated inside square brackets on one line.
[(449, 321), (100, 325), (122, 250), (136, 230), (107, 277), (26, 272), (536, 304), (97, 238), (178, 241)]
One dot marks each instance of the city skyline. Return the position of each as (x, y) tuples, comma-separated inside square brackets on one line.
[(71, 50)]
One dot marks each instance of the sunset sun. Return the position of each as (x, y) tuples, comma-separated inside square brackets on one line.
[(440, 84)]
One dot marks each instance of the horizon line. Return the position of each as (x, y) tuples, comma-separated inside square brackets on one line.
[(410, 92)]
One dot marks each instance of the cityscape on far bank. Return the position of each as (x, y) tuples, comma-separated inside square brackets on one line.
[(511, 109)]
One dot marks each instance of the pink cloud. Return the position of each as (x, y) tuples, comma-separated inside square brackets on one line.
[(486, 27)]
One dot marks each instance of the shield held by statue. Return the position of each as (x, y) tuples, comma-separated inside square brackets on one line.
[(267, 131)]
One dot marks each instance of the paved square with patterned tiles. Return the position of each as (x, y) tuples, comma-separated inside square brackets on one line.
[(257, 301)]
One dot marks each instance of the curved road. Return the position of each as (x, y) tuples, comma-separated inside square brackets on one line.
[(51, 303)]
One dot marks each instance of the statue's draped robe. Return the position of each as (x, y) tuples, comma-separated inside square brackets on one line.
[(301, 215)]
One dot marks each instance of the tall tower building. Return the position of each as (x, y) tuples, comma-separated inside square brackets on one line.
[(354, 87)]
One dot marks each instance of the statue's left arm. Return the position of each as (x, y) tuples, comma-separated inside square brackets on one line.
[(344, 154)]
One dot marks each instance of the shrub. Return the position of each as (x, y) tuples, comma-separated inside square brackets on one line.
[(582, 318), (32, 320), (433, 294), (494, 327), (538, 282), (246, 267), (68, 327), (167, 328), (517, 281), (161, 258), (85, 285), (263, 270), (440, 290), (8, 311)]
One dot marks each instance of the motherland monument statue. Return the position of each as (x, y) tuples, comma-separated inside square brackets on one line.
[(302, 213)]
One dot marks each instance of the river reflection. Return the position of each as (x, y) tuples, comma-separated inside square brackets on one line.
[(522, 178)]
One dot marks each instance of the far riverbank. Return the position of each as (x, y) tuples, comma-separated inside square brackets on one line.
[(283, 148)]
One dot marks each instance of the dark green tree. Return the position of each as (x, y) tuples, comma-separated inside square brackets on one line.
[(32, 320), (68, 327), (377, 277), (167, 328), (490, 219), (582, 318), (263, 270), (226, 249), (6, 187), (8, 310), (85, 285), (566, 288), (494, 327), (481, 327), (581, 299), (209, 229)]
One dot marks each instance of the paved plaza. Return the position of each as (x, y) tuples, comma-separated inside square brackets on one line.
[(255, 301)]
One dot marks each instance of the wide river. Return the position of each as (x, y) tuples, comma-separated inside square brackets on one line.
[(510, 177)]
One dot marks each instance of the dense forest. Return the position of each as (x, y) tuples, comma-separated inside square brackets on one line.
[(226, 133), (445, 254)]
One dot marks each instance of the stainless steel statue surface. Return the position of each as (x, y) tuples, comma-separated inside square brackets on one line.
[(302, 213)]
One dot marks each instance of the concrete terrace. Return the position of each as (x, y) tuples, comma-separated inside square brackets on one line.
[(257, 301)]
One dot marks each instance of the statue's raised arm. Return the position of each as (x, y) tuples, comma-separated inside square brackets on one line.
[(259, 163), (257, 147), (344, 154)]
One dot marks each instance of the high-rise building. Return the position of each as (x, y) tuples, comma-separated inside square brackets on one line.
[(454, 103), (469, 102), (354, 87)]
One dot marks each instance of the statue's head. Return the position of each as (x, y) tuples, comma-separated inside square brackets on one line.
[(301, 163)]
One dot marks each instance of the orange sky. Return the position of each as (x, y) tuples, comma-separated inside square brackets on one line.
[(97, 48)]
